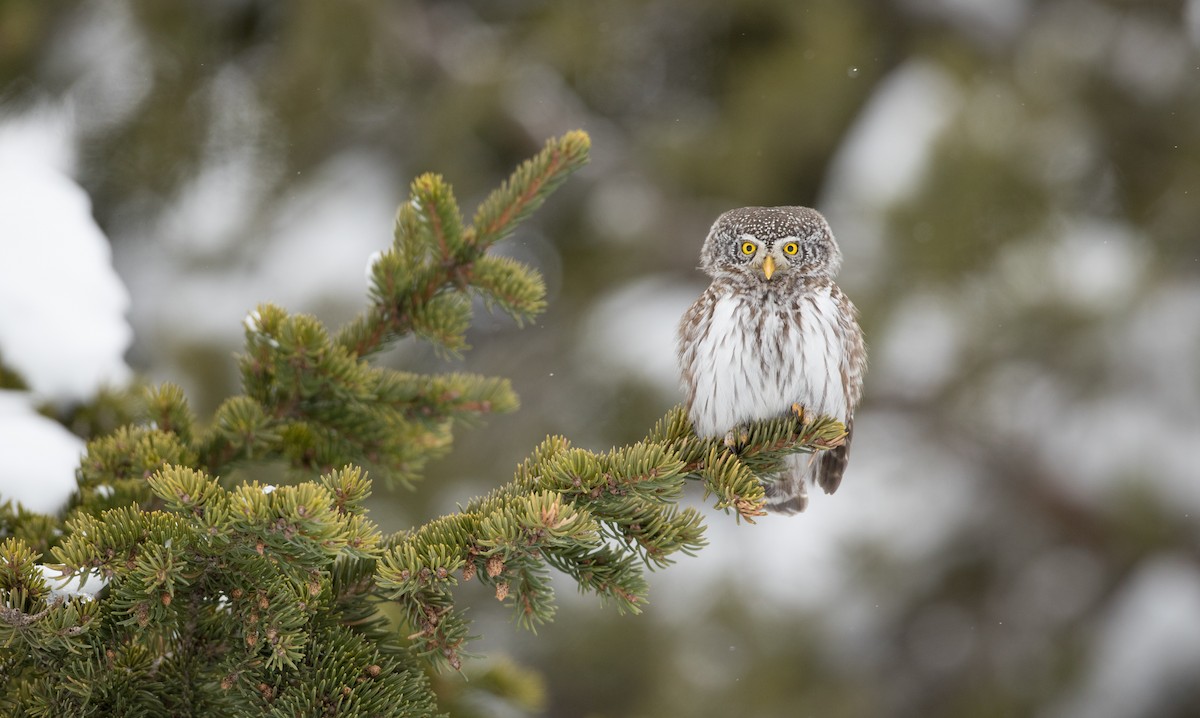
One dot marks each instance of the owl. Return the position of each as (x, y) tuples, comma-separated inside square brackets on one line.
[(772, 334)]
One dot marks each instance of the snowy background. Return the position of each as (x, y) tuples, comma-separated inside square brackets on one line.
[(1016, 190)]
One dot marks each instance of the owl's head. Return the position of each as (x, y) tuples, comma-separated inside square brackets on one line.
[(771, 244)]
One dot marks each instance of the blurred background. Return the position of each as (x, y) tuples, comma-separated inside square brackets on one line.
[(1016, 189)]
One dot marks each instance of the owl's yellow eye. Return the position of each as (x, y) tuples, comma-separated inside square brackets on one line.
[(748, 248), (791, 248)]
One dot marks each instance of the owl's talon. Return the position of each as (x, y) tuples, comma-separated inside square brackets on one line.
[(799, 412), (730, 441)]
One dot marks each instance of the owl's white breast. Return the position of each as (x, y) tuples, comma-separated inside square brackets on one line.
[(763, 354)]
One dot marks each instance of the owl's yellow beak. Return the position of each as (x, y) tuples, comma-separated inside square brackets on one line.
[(768, 267)]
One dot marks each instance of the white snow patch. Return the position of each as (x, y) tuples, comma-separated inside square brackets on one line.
[(624, 208), (41, 140), (38, 457), (1097, 265), (268, 489), (84, 586), (1147, 645), (631, 330), (1151, 60), (372, 260), (1090, 459), (252, 322), (1141, 429), (216, 209), (883, 161), (103, 50), (62, 307), (312, 260), (1087, 263), (919, 351), (1156, 348), (232, 183), (887, 151), (468, 49), (984, 19)]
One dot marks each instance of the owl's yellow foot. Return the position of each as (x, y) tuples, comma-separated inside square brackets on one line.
[(799, 412), (735, 438)]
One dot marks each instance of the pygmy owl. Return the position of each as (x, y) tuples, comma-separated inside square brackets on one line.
[(772, 334)]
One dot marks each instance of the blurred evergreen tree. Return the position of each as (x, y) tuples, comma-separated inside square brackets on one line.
[(1058, 389)]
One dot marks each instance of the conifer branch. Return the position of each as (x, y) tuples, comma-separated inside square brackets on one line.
[(433, 253), (528, 187), (255, 599), (599, 518)]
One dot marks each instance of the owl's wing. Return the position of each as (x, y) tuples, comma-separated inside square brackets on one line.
[(694, 326), (854, 364), (788, 493), (833, 462), (854, 353)]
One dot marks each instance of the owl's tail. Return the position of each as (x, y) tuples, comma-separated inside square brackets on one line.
[(788, 494)]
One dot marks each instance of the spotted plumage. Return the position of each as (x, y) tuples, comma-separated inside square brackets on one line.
[(773, 332)]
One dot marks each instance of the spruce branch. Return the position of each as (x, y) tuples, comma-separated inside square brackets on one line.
[(252, 599), (166, 408), (528, 187), (433, 253), (600, 518), (314, 401), (313, 404)]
